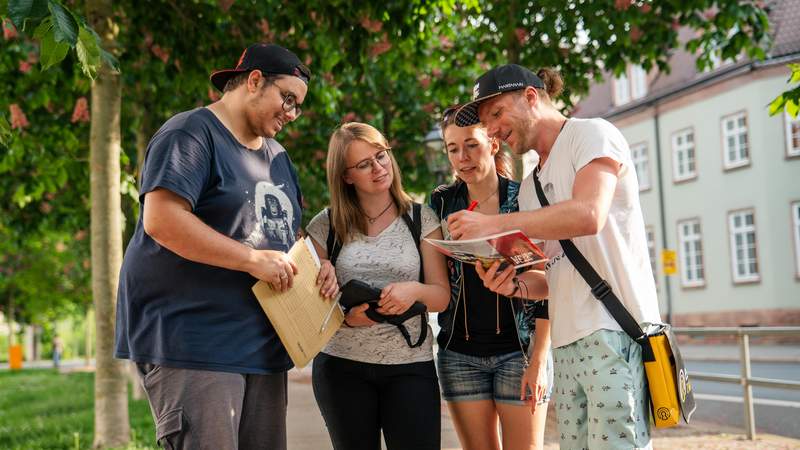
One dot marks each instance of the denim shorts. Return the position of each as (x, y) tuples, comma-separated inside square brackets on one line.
[(465, 378)]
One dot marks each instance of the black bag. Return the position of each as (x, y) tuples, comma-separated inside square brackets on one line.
[(356, 292)]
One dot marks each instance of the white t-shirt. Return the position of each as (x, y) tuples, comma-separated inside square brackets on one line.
[(618, 252)]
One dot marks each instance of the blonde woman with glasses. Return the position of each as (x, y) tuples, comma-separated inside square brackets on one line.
[(369, 379)]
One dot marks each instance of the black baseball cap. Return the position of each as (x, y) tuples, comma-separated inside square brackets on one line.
[(269, 59), (501, 79)]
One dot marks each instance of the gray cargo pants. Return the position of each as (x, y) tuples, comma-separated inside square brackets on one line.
[(201, 409)]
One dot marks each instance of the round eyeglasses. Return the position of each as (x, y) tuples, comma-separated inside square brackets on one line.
[(365, 165)]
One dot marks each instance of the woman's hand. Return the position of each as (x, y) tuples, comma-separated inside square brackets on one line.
[(502, 283), (326, 280), (535, 379), (357, 317), (396, 298)]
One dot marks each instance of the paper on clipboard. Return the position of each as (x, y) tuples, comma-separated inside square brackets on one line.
[(298, 314)]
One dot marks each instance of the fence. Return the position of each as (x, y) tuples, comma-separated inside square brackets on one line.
[(746, 380)]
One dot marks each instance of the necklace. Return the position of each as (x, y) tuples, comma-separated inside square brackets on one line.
[(487, 197), (372, 220)]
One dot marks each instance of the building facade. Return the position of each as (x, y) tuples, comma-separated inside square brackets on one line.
[(719, 181)]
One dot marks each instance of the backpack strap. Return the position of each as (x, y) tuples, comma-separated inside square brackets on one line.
[(332, 245), (415, 226)]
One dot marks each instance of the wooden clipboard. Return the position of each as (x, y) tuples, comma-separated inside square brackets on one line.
[(299, 313)]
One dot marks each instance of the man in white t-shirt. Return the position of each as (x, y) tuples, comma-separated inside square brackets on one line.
[(588, 177)]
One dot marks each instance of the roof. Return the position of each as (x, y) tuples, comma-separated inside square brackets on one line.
[(683, 75)]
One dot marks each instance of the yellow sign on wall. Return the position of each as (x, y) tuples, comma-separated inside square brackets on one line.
[(669, 259)]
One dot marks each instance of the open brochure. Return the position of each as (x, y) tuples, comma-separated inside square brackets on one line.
[(512, 247), (303, 319)]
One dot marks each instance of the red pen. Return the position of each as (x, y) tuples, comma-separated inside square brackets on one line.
[(472, 205)]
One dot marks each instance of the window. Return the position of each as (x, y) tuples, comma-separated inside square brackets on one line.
[(792, 135), (683, 155), (631, 85), (651, 251), (734, 141), (638, 82), (744, 258), (691, 253), (622, 93), (796, 233), (641, 164)]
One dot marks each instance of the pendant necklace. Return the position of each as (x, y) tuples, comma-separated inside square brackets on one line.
[(372, 220), (487, 197)]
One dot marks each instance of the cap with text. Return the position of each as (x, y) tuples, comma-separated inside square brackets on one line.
[(501, 79)]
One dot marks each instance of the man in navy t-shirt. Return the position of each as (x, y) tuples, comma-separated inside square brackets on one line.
[(220, 206)]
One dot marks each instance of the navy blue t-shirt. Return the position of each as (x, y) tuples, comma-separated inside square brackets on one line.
[(179, 313)]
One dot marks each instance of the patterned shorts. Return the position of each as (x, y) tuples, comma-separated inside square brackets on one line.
[(600, 393)]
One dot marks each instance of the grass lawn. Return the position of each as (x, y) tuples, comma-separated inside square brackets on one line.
[(42, 409)]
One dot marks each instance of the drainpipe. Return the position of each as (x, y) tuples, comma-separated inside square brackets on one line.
[(661, 207)]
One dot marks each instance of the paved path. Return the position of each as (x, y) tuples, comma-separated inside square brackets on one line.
[(307, 429)]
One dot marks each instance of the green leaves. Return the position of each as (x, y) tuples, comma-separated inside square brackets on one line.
[(795, 68), (5, 131), (51, 52), (88, 50), (65, 27), (21, 11), (58, 30), (789, 101)]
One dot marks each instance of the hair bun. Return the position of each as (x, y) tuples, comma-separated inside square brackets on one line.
[(553, 83)]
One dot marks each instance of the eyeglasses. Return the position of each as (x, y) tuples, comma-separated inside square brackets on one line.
[(289, 101), (366, 165)]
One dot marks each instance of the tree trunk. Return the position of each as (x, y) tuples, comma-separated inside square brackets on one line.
[(111, 424), (88, 336)]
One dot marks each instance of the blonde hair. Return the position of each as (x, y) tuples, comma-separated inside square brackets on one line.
[(346, 214), (502, 162)]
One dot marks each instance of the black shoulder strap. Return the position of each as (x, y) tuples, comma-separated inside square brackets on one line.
[(600, 288), (416, 232), (332, 245)]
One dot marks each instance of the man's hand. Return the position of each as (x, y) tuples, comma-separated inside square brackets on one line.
[(356, 317), (396, 298), (535, 379), (502, 283), (272, 267), (326, 280), (470, 224)]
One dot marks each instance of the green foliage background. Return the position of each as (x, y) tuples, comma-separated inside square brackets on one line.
[(394, 64)]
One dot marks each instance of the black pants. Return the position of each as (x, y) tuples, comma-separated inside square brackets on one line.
[(358, 400)]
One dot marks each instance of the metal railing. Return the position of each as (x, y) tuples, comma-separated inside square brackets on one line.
[(746, 380)]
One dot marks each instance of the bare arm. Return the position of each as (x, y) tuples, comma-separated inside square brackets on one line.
[(584, 214), (168, 219), (541, 342), (535, 376)]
